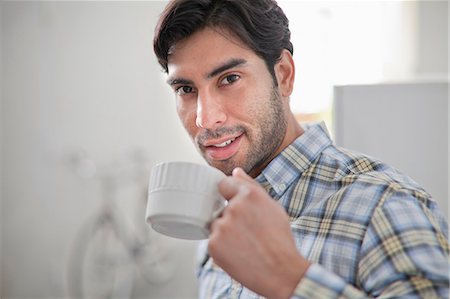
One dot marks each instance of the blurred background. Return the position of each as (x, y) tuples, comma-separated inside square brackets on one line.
[(85, 114)]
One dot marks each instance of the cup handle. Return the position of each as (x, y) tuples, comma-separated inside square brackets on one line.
[(220, 208)]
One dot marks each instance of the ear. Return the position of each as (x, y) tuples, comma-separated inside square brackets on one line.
[(285, 73)]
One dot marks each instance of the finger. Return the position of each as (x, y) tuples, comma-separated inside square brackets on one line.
[(239, 182), (229, 187), (241, 174), (214, 223)]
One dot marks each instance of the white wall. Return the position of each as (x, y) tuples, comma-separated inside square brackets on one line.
[(77, 75)]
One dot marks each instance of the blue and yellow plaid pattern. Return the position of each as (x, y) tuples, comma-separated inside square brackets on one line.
[(369, 231)]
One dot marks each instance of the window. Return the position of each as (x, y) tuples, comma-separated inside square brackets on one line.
[(346, 42)]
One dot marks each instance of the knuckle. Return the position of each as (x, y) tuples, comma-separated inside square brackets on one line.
[(215, 226), (245, 190), (250, 192), (216, 236), (212, 244), (230, 211)]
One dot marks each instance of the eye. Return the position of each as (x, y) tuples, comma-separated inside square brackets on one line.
[(183, 90), (230, 79)]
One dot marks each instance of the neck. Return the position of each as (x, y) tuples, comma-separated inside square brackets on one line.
[(293, 131)]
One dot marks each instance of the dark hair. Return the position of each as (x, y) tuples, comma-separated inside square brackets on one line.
[(260, 24)]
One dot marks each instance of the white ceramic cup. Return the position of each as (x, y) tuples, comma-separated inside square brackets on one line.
[(183, 199)]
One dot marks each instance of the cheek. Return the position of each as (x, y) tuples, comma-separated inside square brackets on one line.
[(253, 109), (187, 116)]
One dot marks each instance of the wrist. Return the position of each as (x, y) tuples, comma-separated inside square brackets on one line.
[(293, 278)]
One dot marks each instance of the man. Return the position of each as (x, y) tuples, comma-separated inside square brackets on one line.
[(305, 219)]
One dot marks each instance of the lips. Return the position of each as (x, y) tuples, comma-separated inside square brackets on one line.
[(225, 143), (222, 149)]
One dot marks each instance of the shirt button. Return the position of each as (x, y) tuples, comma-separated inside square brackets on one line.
[(282, 187)]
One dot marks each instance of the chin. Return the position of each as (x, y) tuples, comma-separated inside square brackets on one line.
[(225, 166)]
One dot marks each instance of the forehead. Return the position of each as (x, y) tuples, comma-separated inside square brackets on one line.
[(207, 48)]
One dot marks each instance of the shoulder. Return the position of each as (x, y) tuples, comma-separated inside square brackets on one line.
[(353, 168), (363, 184)]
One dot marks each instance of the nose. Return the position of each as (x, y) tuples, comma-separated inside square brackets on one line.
[(210, 111)]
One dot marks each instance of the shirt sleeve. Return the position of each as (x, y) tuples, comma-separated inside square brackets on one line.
[(404, 254)]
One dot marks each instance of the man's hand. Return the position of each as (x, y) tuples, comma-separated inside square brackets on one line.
[(252, 240)]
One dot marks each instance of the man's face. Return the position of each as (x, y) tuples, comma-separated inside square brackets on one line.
[(227, 101)]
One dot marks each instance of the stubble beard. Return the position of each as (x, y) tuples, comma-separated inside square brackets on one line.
[(263, 143)]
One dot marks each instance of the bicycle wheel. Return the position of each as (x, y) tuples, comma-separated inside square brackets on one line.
[(100, 265), (156, 259)]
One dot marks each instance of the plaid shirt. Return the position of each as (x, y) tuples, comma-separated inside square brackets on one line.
[(368, 230)]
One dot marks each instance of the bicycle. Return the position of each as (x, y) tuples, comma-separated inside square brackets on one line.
[(107, 253)]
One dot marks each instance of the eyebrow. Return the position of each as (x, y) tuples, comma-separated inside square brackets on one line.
[(234, 62), (177, 81)]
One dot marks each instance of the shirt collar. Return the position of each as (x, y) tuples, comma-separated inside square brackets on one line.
[(285, 168)]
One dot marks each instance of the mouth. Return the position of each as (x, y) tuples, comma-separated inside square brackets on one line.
[(222, 149), (225, 143)]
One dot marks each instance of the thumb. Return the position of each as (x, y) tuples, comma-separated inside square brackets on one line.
[(241, 174), (229, 187)]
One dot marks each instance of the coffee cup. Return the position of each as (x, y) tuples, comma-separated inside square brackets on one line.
[(183, 199)]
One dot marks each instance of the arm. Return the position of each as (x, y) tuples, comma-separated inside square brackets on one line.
[(404, 255), (252, 242)]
